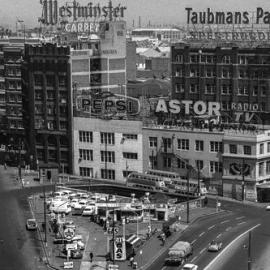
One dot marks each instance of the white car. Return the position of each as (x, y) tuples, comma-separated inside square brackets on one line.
[(190, 266), (215, 246), (74, 202), (80, 244), (88, 210), (267, 207)]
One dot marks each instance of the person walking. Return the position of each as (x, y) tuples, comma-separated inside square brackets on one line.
[(91, 256)]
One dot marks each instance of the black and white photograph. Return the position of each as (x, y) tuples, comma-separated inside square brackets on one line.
[(134, 134)]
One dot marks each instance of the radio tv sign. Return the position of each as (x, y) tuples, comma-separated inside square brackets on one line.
[(74, 11)]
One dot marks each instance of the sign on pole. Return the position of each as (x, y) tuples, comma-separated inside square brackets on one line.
[(120, 249), (68, 265), (69, 233)]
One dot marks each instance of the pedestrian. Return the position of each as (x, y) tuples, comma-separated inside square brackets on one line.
[(91, 256), (131, 260)]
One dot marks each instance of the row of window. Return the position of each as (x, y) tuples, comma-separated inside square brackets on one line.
[(264, 168), (214, 166), (106, 156), (105, 138), (105, 173), (225, 73), (50, 80), (226, 89), (226, 59), (233, 149)]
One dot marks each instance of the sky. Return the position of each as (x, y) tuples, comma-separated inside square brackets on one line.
[(156, 11)]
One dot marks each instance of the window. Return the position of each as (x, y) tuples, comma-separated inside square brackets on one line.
[(179, 58), (263, 91), (84, 171), (38, 79), (226, 59), (179, 88), (198, 145), (242, 59), (268, 147), (182, 164), (152, 161), (62, 81), (85, 136), (242, 73), (210, 72), (51, 95), (38, 94), (226, 73), (130, 136), (130, 155), (107, 156), (216, 146), (216, 167), (210, 89), (108, 174), (226, 89), (107, 138), (183, 144), (86, 154), (268, 167), (153, 141), (199, 164), (242, 90), (261, 148), (233, 148), (193, 88), (194, 72), (255, 90), (167, 162), (261, 168), (193, 58), (51, 125), (178, 72), (225, 105), (50, 80), (247, 150)]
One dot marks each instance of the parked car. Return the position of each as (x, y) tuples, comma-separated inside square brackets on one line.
[(31, 224), (215, 246), (267, 208), (190, 266), (73, 202), (88, 210)]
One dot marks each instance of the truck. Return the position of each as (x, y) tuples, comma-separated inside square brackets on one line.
[(178, 253)]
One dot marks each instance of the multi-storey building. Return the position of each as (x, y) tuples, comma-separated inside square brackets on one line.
[(47, 104), (237, 77), (107, 149), (99, 63)]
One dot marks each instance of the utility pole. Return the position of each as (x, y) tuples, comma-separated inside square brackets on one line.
[(19, 161), (188, 167), (243, 179), (249, 250), (113, 240), (45, 213)]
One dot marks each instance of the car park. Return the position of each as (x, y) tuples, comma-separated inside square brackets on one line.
[(31, 224), (215, 246), (190, 266)]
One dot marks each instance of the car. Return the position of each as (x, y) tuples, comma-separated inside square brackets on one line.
[(215, 246), (31, 224), (88, 210), (190, 266), (267, 208), (73, 202)]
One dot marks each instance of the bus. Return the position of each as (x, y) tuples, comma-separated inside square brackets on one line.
[(173, 181), (145, 181)]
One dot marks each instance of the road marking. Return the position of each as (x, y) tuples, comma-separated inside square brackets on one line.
[(240, 217), (202, 250), (201, 234), (228, 246), (219, 235), (193, 241), (227, 229), (194, 258), (211, 227), (241, 223), (224, 221)]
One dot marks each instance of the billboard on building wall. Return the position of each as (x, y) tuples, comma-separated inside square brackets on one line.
[(105, 104)]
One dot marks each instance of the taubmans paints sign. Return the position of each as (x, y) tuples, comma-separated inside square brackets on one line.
[(52, 14)]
